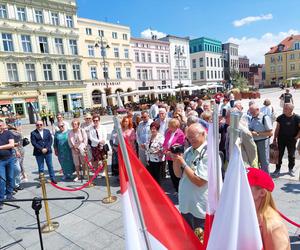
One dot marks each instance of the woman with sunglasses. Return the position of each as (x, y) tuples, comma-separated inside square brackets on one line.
[(63, 151)]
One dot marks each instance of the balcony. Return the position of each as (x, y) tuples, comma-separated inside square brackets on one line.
[(8, 86)]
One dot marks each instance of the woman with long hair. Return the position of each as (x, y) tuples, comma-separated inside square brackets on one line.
[(128, 131), (273, 231)]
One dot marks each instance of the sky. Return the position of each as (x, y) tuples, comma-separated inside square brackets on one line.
[(255, 25)]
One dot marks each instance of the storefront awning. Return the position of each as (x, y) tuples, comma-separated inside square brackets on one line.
[(4, 102)]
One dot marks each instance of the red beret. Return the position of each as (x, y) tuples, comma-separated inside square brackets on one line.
[(260, 178)]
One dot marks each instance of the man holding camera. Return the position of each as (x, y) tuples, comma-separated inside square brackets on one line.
[(191, 168)]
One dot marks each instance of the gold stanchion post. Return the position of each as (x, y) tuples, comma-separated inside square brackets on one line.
[(49, 226), (109, 198)]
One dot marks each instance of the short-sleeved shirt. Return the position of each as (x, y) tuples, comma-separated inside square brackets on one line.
[(289, 126), (193, 199), (287, 97), (4, 139), (261, 123)]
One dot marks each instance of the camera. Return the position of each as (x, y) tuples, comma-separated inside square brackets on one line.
[(177, 149)]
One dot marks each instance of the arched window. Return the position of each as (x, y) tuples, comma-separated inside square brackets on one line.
[(96, 96)]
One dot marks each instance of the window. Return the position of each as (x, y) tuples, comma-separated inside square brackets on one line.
[(207, 74), (157, 58), (138, 74), (88, 31), (21, 14), (163, 74), (201, 74), (12, 72), (7, 42), (272, 59), (91, 50), (137, 56), (143, 55), (105, 73), (30, 72), (73, 47), (69, 20), (94, 73), (150, 74), (125, 37), (215, 62), (128, 72), (144, 74), (167, 58), (26, 43), (103, 51), (162, 58), (118, 73), (222, 74), (292, 56), (194, 63), (222, 63), (293, 67), (44, 48), (296, 46), (272, 69), (280, 58), (211, 62), (219, 74), (215, 74), (101, 33), (39, 16), (194, 75), (207, 61), (114, 35), (59, 46), (3, 11), (76, 72), (116, 52), (62, 69), (47, 72), (126, 53), (279, 68), (219, 62), (211, 74), (54, 18), (149, 57), (201, 62)]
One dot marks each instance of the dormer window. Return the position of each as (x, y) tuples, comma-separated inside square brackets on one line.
[(280, 47), (297, 46)]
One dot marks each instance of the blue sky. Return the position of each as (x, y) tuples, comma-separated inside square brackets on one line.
[(255, 25)]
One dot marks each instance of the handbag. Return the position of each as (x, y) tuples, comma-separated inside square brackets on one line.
[(274, 153), (25, 142)]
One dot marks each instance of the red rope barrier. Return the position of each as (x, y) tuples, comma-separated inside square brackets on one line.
[(289, 220), (81, 187)]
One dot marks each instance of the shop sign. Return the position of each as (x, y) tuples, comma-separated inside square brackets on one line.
[(18, 100), (104, 84), (31, 99), (3, 102), (17, 93)]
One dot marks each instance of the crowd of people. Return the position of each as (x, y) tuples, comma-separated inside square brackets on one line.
[(170, 140)]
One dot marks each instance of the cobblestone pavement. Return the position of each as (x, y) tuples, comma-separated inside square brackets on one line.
[(90, 224)]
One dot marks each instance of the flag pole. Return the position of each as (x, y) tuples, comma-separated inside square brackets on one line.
[(216, 142), (131, 181), (234, 131)]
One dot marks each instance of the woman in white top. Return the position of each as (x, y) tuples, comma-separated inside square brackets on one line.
[(154, 152), (77, 139), (268, 110), (97, 141)]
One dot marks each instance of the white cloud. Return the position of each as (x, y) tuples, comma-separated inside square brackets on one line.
[(186, 8), (255, 48), (148, 33), (251, 19)]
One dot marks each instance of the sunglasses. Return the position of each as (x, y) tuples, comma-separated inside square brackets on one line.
[(39, 125), (95, 120), (88, 118)]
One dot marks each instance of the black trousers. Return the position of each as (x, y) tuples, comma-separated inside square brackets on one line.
[(44, 119), (290, 144), (175, 180), (155, 169)]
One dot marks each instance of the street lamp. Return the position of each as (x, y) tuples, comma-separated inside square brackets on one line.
[(103, 48), (179, 53)]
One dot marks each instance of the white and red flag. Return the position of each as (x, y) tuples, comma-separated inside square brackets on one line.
[(235, 224), (214, 181), (164, 228)]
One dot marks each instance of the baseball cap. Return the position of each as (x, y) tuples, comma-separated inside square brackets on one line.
[(260, 178)]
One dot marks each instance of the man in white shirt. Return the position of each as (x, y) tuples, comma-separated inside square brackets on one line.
[(153, 112)]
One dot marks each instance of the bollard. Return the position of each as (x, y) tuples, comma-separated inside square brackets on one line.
[(109, 198), (49, 226)]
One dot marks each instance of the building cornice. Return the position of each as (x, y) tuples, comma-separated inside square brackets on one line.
[(85, 21)]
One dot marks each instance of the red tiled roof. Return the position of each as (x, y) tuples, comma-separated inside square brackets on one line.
[(286, 43)]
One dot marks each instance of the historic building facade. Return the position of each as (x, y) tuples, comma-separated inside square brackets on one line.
[(283, 61), (244, 66), (107, 62), (231, 59), (207, 62), (151, 63), (39, 59), (179, 60)]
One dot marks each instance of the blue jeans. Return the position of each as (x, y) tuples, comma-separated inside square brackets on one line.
[(17, 171), (7, 183), (40, 159)]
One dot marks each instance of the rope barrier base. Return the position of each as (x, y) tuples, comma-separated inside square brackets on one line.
[(109, 199), (50, 228)]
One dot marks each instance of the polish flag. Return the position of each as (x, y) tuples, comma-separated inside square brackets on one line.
[(165, 228), (235, 224), (214, 176)]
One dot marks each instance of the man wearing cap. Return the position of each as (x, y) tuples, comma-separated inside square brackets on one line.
[(274, 233), (261, 129), (88, 122)]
